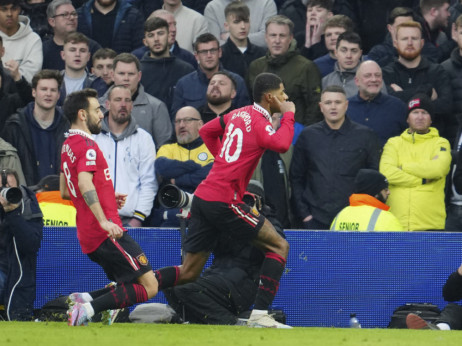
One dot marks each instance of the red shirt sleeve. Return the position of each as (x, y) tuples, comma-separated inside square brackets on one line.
[(281, 139), (211, 133)]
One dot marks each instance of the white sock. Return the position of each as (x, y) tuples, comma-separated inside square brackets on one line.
[(89, 308), (443, 326), (259, 312), (87, 297)]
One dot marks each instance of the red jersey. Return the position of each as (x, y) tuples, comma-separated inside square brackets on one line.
[(80, 153), (247, 134)]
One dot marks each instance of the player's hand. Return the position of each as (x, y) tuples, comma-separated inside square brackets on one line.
[(120, 199), (113, 230), (286, 106)]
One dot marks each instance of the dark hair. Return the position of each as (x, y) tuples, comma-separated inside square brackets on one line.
[(205, 38), (76, 101), (15, 3), (340, 21), (119, 86), (8, 171), (264, 83), (104, 53), (349, 36), (333, 89), (427, 5), (77, 37), (155, 23), (227, 74), (327, 4), (47, 74), (280, 19), (399, 12), (126, 58), (239, 10)]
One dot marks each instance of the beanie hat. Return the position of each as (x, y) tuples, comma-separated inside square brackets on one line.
[(420, 101), (370, 182)]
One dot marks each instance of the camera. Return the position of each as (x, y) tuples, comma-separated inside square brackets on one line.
[(12, 195), (170, 196)]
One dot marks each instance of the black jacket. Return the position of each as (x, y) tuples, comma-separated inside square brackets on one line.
[(20, 238), (235, 61), (296, 11), (17, 133), (452, 289), (324, 165)]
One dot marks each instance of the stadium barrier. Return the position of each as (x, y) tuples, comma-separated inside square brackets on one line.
[(328, 275)]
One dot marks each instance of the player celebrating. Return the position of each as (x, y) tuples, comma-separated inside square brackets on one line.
[(217, 205), (86, 180)]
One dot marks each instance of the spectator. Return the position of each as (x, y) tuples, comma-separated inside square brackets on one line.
[(367, 210), (301, 77), (416, 164), (220, 95), (20, 42), (435, 15), (63, 19), (311, 40), (9, 159), (385, 52), (57, 212), (335, 26), (228, 287), (114, 24), (184, 163), (455, 10), (160, 70), (36, 10), (190, 24), (260, 12), (20, 239), (238, 52), (130, 153), (371, 107), (37, 130), (76, 54), (412, 74), (322, 176), (173, 46), (191, 90), (295, 10), (103, 64), (451, 315), (150, 113), (349, 54)]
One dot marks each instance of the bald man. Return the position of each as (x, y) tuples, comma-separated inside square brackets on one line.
[(385, 114), (184, 163)]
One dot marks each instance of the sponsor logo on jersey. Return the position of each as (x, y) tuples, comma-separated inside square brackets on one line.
[(202, 157), (142, 259), (91, 154), (270, 130)]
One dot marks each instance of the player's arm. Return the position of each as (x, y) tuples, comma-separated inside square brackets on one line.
[(88, 191), (63, 187), (211, 133)]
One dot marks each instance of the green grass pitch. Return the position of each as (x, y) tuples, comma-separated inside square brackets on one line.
[(131, 334)]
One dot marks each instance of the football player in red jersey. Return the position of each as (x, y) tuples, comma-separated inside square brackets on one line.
[(85, 179), (217, 205)]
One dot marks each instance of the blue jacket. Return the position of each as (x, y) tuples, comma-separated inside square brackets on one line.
[(91, 81), (191, 90), (385, 114), (20, 238), (325, 64), (128, 27)]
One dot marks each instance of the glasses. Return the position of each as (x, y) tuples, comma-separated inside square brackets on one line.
[(212, 51), (187, 121), (67, 15)]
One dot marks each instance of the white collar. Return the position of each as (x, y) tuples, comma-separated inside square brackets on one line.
[(263, 111), (73, 132)]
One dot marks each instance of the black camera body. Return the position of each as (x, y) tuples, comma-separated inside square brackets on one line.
[(12, 195)]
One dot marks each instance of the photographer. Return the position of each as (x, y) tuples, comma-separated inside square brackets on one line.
[(228, 287), (21, 226)]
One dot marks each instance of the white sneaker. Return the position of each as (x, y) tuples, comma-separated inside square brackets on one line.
[(265, 321)]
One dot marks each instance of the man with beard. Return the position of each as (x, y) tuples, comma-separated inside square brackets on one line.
[(220, 94), (114, 24), (367, 210), (191, 90), (412, 73), (160, 70), (371, 107), (184, 163), (86, 180), (130, 153)]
